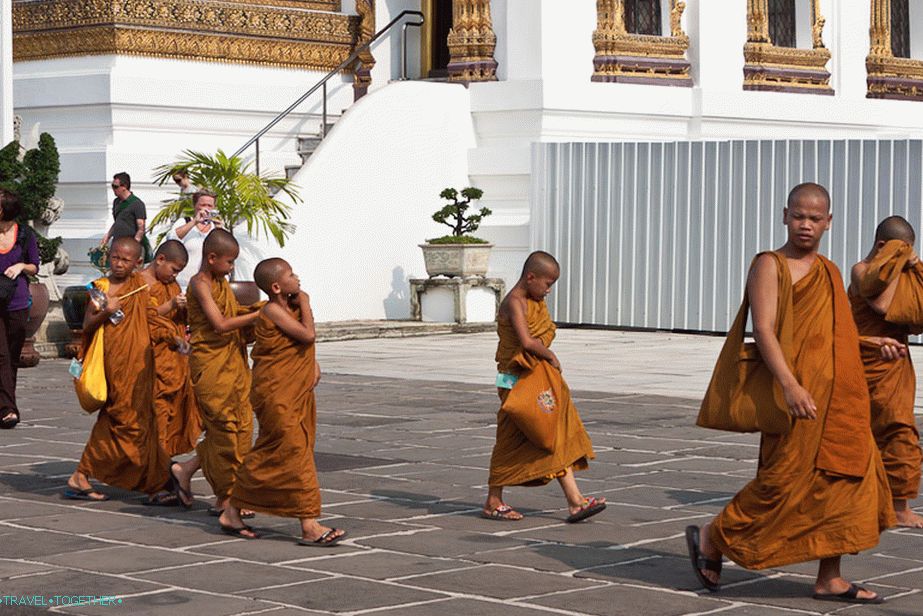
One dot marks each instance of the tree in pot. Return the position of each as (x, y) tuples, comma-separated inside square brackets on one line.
[(33, 176), (458, 254)]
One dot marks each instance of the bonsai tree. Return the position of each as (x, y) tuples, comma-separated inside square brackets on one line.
[(455, 216), (34, 177), (243, 197)]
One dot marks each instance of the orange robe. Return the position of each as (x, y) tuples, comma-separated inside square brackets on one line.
[(278, 475), (515, 460), (221, 381), (892, 384), (178, 422), (123, 449), (820, 490)]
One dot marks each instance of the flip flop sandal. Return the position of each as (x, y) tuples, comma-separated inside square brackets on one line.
[(215, 512), (237, 531), (590, 507), (164, 499), (501, 514), (182, 495), (851, 595), (9, 421), (324, 541), (699, 561), (75, 494)]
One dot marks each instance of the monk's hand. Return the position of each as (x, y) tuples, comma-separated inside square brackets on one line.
[(800, 403), (179, 302), (892, 349), (113, 304), (316, 375), (913, 260), (554, 362)]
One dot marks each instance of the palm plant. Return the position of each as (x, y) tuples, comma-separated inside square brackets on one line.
[(242, 196)]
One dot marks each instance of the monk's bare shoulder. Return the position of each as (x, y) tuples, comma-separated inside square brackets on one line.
[(765, 271), (858, 273)]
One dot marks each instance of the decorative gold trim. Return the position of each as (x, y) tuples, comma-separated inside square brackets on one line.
[(332, 6), (625, 57), (427, 36), (366, 61), (890, 77), (188, 29), (784, 69), (472, 42)]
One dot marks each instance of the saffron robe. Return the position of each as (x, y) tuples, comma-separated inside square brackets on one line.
[(221, 381), (515, 459), (278, 475), (820, 491), (892, 384), (178, 422), (123, 449)]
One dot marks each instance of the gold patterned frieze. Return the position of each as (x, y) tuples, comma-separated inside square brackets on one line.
[(622, 56), (784, 69), (189, 29), (888, 76)]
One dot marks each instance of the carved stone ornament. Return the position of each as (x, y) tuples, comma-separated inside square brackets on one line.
[(472, 42), (639, 58), (890, 77), (784, 69), (253, 33), (366, 61)]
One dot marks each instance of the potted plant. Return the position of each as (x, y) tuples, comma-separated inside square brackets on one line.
[(33, 176), (458, 254), (243, 198)]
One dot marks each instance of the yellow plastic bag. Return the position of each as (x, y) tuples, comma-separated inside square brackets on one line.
[(91, 385)]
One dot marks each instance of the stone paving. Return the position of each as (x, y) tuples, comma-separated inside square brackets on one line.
[(405, 429)]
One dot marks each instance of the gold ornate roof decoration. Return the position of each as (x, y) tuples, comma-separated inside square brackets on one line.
[(211, 30), (784, 69), (888, 76), (366, 61), (472, 42), (624, 57)]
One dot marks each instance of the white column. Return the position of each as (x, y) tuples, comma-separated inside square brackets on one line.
[(6, 72)]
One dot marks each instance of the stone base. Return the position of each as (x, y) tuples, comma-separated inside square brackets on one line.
[(459, 288)]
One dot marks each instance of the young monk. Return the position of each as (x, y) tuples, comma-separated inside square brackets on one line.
[(525, 328), (820, 489), (219, 370), (278, 475), (885, 296), (123, 449), (175, 409)]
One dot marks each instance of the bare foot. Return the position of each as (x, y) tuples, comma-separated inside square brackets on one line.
[(838, 585), (905, 515)]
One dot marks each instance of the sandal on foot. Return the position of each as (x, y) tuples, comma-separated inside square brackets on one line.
[(9, 421), (184, 496), (215, 513), (590, 507), (328, 539), (851, 595), (238, 531), (87, 495), (699, 561), (163, 499), (504, 513)]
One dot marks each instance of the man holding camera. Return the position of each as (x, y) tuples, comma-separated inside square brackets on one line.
[(193, 233)]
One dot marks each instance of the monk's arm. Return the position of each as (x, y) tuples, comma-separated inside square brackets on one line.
[(93, 318), (220, 323), (530, 344), (763, 291), (299, 330), (882, 302)]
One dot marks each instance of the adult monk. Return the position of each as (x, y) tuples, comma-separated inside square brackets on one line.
[(526, 330), (220, 374), (820, 489), (123, 449), (885, 293), (278, 476)]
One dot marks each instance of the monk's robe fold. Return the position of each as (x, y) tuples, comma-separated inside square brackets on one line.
[(178, 421), (515, 460), (123, 449), (820, 491), (892, 383), (221, 381), (278, 475)]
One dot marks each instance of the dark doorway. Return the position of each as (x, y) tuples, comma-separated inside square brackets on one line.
[(442, 23)]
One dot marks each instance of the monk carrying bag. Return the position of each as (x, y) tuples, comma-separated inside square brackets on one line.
[(534, 403), (91, 384)]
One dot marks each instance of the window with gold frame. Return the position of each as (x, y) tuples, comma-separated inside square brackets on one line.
[(627, 57), (772, 67), (893, 30)]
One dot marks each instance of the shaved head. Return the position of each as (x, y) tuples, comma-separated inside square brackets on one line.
[(808, 190), (269, 271), (220, 242), (173, 250), (129, 243), (541, 263), (895, 228)]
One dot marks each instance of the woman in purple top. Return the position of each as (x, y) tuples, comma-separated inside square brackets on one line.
[(18, 260)]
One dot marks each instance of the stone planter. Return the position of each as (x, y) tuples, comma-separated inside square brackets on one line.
[(29, 357), (462, 260)]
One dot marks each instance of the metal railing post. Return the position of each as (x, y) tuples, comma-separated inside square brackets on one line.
[(323, 126), (257, 143), (404, 46)]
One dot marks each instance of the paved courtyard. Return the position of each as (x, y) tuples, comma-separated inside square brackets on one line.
[(404, 437)]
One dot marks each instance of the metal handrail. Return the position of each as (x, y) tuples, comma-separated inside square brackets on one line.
[(323, 83)]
